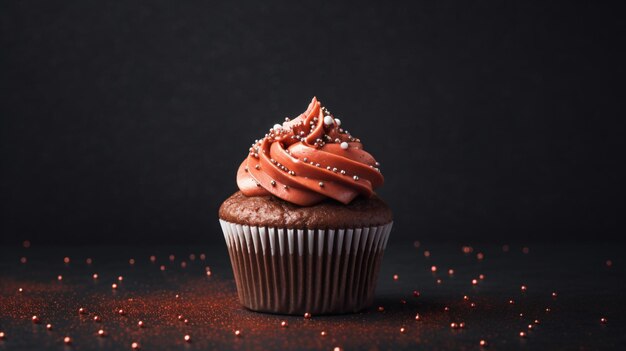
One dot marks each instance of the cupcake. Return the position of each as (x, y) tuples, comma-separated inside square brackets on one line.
[(306, 232)]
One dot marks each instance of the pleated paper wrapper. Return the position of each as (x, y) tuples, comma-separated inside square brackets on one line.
[(295, 271)]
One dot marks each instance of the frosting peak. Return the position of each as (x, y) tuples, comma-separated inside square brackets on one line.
[(308, 159)]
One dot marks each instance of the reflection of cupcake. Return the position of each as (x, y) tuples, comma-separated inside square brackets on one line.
[(306, 233)]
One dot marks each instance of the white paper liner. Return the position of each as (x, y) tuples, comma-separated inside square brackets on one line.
[(293, 271)]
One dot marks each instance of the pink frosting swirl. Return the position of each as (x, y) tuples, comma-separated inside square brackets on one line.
[(309, 159)]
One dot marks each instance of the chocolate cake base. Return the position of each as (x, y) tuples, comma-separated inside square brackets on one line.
[(270, 211), (321, 259)]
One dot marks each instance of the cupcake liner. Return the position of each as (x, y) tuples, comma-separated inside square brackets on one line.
[(294, 271)]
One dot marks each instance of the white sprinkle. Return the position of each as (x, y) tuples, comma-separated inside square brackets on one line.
[(322, 184), (344, 145), (328, 120), (338, 121), (356, 177), (278, 127)]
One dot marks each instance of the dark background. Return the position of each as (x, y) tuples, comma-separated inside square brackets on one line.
[(494, 121)]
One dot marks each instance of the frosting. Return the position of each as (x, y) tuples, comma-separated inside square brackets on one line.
[(309, 159)]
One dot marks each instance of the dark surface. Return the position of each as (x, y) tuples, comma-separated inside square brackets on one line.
[(587, 290), (128, 120)]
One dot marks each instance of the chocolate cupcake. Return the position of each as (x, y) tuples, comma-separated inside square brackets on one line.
[(306, 232)]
